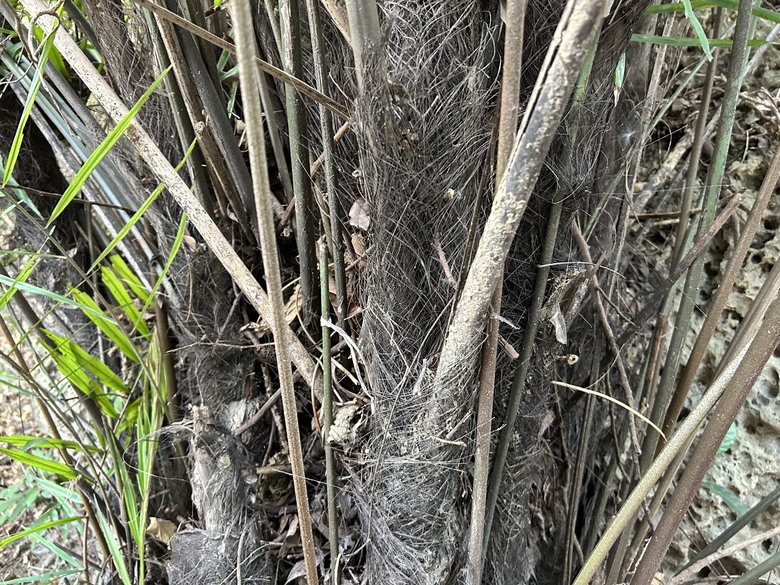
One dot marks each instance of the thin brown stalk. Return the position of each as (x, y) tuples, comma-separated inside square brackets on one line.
[(248, 74), (750, 366), (514, 19)]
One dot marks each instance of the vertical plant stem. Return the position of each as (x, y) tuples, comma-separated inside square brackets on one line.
[(248, 74), (331, 185), (697, 145), (510, 103), (524, 364), (712, 191), (748, 370), (327, 417), (299, 155)]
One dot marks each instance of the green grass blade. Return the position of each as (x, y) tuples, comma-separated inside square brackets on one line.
[(53, 577), (69, 366), (689, 42), (698, 28), (126, 304), (39, 528), (727, 495), (114, 547), (106, 325), (129, 278), (36, 290), (758, 11), (138, 214), (102, 150), (32, 442), (24, 274), (90, 363), (32, 94), (41, 463)]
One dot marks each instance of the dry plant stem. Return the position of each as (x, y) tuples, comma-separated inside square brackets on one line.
[(264, 66), (331, 185), (575, 32), (248, 74), (327, 417), (698, 247), (673, 446), (748, 370), (524, 363), (718, 302), (696, 147), (157, 162), (196, 164), (690, 572), (219, 129), (305, 207), (712, 192), (507, 127), (746, 518)]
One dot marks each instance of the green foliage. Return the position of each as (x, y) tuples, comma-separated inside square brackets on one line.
[(102, 150), (727, 495)]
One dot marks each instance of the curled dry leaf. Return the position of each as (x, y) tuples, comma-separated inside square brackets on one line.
[(358, 215)]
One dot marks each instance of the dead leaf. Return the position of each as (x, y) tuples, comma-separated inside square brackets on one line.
[(358, 215), (162, 530)]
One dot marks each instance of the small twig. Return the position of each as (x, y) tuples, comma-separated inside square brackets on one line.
[(443, 261), (259, 414), (691, 571)]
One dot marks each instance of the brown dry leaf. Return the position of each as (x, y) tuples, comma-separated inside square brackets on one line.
[(162, 530)]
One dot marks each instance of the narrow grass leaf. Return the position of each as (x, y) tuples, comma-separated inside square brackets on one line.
[(32, 94), (106, 325), (90, 363), (126, 304), (52, 577), (129, 278), (38, 528), (727, 495), (138, 214), (69, 366), (58, 551), (38, 462), (689, 42), (114, 548), (23, 275), (758, 11), (32, 442), (698, 28), (91, 311), (102, 150)]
